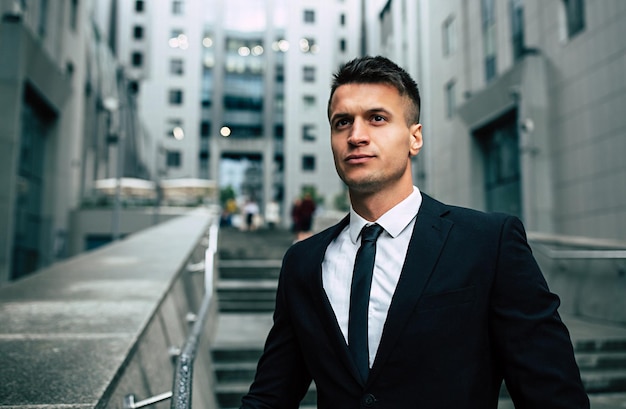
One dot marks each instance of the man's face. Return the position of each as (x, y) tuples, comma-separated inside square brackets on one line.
[(370, 138)]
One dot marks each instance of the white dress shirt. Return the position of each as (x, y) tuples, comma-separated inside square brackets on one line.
[(391, 248)]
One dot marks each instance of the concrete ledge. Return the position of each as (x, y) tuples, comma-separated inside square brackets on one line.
[(86, 332)]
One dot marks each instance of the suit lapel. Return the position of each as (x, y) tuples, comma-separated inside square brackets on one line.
[(427, 241), (322, 304)]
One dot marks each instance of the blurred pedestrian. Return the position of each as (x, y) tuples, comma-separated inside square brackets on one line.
[(272, 214), (227, 214), (305, 211), (295, 223), (251, 211)]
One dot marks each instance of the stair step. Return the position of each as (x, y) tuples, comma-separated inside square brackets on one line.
[(229, 394), (246, 285), (600, 360), (230, 355), (300, 407), (250, 263), (247, 296), (231, 372), (251, 294), (604, 380), (600, 345), (247, 269), (251, 307), (249, 273)]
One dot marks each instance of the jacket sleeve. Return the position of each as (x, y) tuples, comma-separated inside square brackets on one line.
[(281, 380), (533, 346)]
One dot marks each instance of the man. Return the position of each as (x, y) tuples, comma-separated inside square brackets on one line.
[(457, 302)]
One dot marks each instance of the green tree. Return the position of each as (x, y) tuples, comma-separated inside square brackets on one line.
[(226, 194)]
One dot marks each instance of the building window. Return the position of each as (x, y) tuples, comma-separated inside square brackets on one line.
[(309, 101), (242, 131), (204, 160), (205, 129), (308, 163), (133, 87), (517, 28), (243, 103), (280, 73), (308, 132), (489, 38), (176, 66), (73, 14), (173, 159), (136, 59), (178, 7), (309, 16), (175, 97), (139, 6), (279, 103), (138, 32), (450, 98), (279, 131), (574, 11), (449, 36), (342, 45), (308, 74), (342, 19)]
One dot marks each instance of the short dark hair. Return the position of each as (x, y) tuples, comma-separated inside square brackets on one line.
[(379, 70)]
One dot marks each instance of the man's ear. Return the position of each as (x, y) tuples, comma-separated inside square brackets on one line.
[(416, 139)]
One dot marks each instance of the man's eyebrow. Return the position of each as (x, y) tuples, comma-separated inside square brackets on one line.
[(339, 115)]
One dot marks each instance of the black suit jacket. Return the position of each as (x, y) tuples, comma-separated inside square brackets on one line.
[(471, 308)]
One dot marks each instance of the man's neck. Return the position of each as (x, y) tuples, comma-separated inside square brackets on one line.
[(372, 205)]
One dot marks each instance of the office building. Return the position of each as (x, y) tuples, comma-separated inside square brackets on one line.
[(521, 106)]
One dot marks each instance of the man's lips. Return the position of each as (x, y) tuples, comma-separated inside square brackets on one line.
[(358, 158)]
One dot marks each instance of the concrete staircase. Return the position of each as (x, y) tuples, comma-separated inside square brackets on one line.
[(247, 286), (602, 363), (249, 265), (248, 270)]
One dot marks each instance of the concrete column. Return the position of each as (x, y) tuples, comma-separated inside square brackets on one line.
[(535, 150)]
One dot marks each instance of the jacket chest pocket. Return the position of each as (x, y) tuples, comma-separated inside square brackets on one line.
[(447, 299)]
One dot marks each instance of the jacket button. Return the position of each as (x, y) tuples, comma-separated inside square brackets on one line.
[(369, 400)]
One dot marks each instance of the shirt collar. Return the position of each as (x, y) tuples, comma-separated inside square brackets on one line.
[(394, 221)]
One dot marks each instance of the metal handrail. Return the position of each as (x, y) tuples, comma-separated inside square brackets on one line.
[(580, 248), (182, 387), (180, 394), (582, 254)]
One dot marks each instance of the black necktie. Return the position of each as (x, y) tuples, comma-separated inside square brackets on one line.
[(360, 296)]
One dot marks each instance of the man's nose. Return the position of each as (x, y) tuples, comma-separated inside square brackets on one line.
[(359, 134)]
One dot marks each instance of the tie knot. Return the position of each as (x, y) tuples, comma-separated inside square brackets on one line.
[(371, 232)]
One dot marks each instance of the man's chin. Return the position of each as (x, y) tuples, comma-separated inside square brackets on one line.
[(363, 186)]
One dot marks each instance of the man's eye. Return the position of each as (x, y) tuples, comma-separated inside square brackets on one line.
[(341, 123), (378, 118)]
